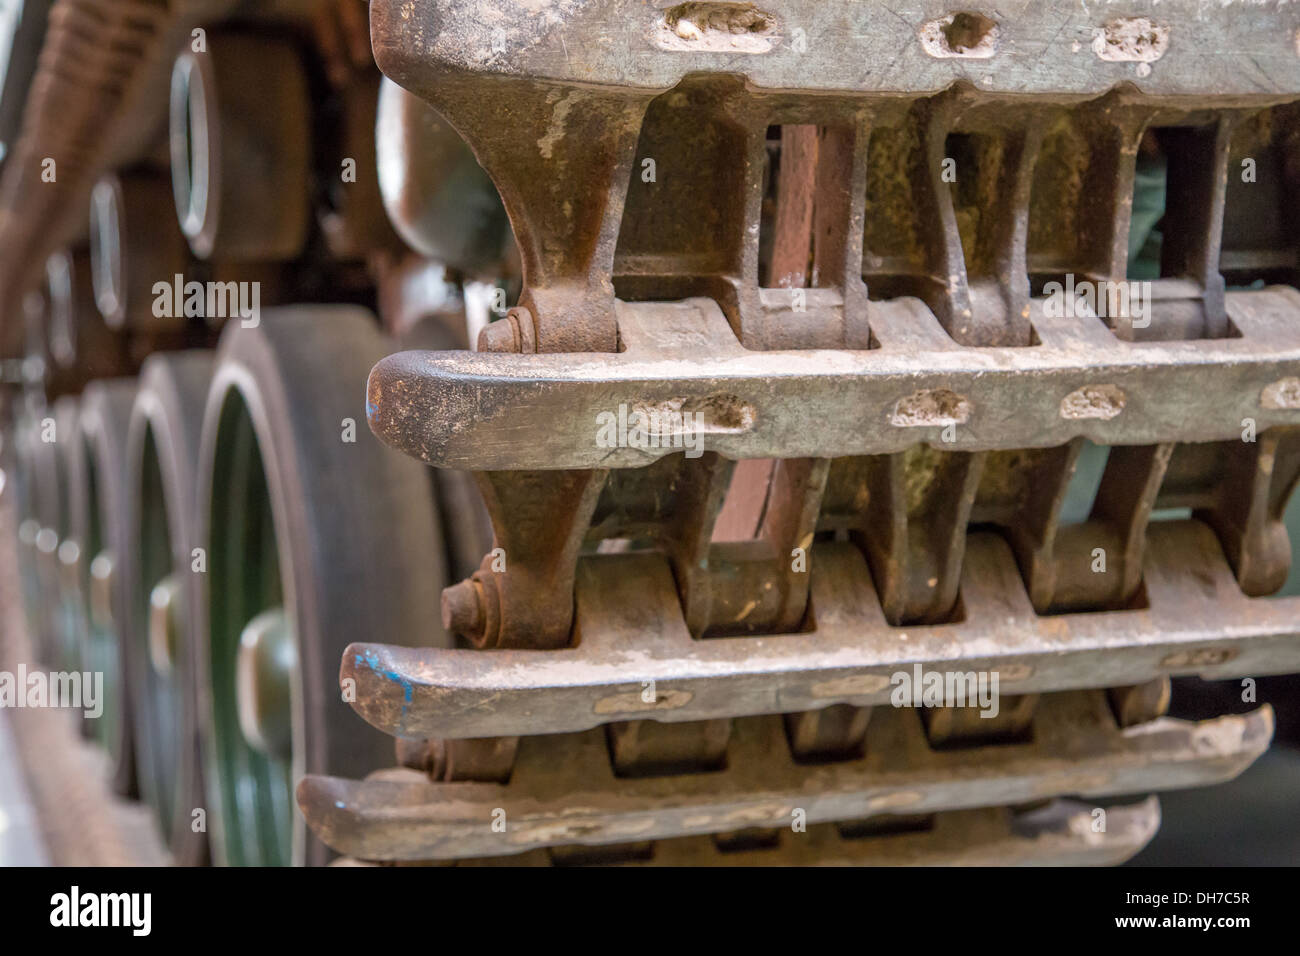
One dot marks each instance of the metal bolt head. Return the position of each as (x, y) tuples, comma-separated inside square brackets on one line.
[(517, 332), (501, 336), (462, 609), (525, 327), (420, 754)]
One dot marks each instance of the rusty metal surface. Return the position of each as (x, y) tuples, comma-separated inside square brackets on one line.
[(490, 411), (564, 791), (708, 81), (662, 654), (631, 631), (870, 339), (1058, 834), (1042, 49), (532, 603)]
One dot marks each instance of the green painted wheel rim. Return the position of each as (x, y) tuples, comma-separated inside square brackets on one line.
[(160, 688), (246, 579)]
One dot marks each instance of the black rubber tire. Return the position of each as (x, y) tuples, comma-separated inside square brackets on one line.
[(104, 525), (355, 523), (162, 469)]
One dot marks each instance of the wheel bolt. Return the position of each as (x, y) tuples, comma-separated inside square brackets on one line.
[(500, 336), (462, 609)]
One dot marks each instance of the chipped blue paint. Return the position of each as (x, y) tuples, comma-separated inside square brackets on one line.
[(408, 689)]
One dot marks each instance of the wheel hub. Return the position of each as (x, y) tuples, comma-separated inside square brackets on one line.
[(164, 630), (264, 661)]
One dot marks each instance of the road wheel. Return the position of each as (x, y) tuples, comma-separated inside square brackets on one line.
[(163, 452), (103, 528), (317, 536)]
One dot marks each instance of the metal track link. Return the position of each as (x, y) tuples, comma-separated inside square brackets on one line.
[(465, 410), (1058, 833), (1196, 621), (563, 789), (803, 324)]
